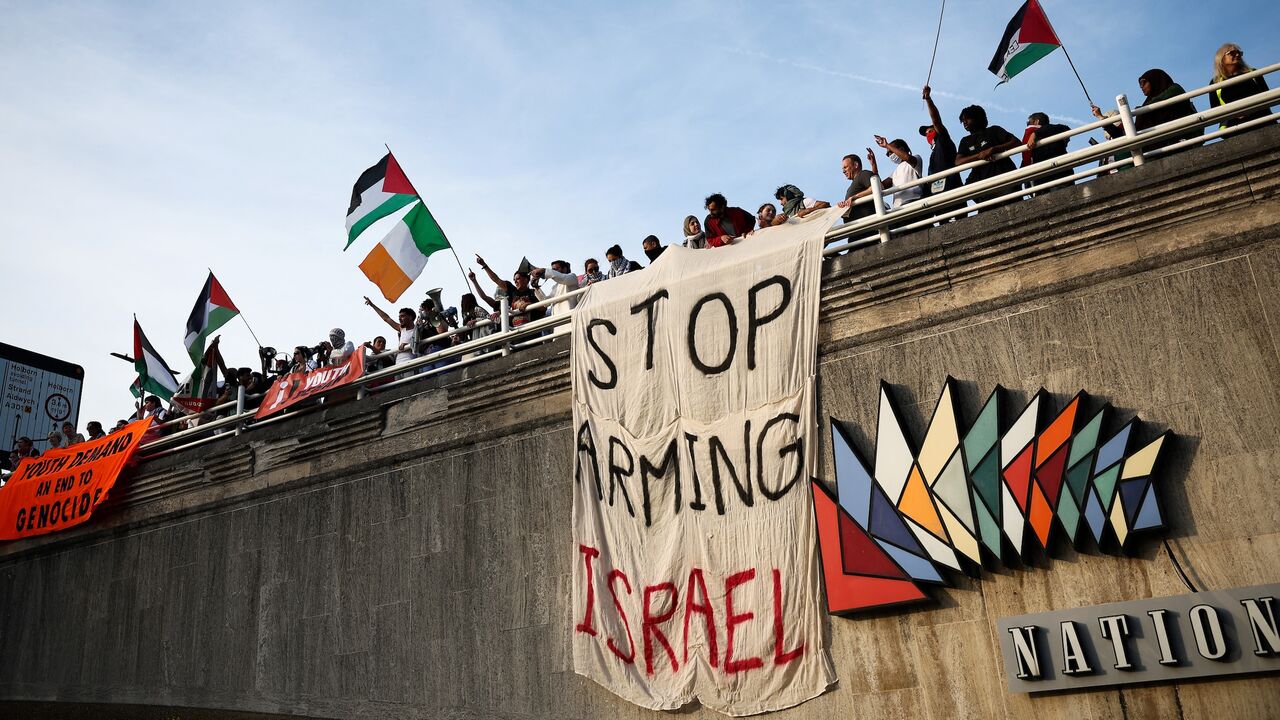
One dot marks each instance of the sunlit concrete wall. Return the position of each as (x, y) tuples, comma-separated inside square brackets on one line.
[(409, 555)]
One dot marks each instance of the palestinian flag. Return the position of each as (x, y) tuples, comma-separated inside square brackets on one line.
[(1028, 38), (202, 387), (396, 262), (380, 191), (153, 372), (213, 309)]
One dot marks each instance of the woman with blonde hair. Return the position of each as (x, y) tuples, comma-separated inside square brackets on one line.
[(1229, 62)]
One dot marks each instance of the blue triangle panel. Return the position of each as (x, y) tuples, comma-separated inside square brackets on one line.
[(887, 524), (1130, 494), (915, 566), (853, 482), (1094, 515), (1111, 453), (1149, 513)]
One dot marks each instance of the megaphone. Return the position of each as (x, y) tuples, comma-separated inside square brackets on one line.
[(435, 294)]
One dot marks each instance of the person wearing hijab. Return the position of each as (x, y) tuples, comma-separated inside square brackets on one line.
[(619, 265), (1157, 86), (1229, 62), (694, 237)]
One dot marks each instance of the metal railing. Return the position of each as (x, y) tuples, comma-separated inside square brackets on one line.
[(879, 227)]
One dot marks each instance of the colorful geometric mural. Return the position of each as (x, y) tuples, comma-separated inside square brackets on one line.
[(976, 495)]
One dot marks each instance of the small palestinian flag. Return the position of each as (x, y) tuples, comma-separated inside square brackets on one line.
[(153, 372), (380, 191), (1028, 38), (398, 260), (213, 309)]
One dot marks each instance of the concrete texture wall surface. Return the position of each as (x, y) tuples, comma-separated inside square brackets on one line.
[(408, 556)]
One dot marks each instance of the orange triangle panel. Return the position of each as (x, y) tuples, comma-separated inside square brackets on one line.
[(917, 505), (1041, 515)]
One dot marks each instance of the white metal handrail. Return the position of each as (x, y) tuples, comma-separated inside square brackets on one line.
[(871, 229)]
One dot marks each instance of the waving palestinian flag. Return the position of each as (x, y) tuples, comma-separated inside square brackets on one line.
[(213, 309), (380, 191), (1028, 38), (153, 372)]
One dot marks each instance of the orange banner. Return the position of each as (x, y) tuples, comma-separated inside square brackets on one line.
[(296, 387), (62, 487)]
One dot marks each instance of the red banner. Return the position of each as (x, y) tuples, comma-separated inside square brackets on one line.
[(62, 487), (295, 387)]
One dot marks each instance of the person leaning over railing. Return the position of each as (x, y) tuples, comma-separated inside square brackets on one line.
[(1157, 86), (1039, 151), (694, 237), (795, 204), (984, 142), (1229, 62), (859, 186)]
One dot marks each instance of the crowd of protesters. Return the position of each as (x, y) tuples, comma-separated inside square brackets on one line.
[(433, 328)]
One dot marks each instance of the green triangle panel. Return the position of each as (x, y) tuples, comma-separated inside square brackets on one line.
[(1086, 439), (1069, 515), (988, 529), (1106, 486), (986, 480), (1078, 479), (984, 432)]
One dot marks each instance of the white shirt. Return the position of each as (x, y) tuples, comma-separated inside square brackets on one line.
[(339, 356), (906, 172), (564, 283), (406, 338)]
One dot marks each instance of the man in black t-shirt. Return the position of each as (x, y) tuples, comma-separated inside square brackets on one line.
[(1041, 151), (943, 154), (859, 186), (983, 143)]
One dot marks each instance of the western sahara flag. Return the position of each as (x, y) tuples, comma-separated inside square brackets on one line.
[(1028, 38), (213, 309), (153, 373), (396, 262), (380, 191)]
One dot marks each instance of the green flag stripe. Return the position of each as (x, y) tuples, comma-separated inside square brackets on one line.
[(1026, 56), (426, 232), (394, 203)]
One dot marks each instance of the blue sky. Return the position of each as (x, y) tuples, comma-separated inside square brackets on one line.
[(144, 142)]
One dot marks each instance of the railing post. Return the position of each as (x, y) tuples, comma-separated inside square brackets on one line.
[(1130, 130), (504, 313), (239, 407), (877, 193)]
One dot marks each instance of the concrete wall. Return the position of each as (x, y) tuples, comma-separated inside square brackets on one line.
[(409, 556)]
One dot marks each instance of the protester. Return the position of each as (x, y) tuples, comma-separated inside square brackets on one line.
[(518, 287), (404, 329), (150, 408), (795, 204), (27, 449), (70, 435), (1041, 151), (694, 238), (591, 273), (340, 347), (95, 430), (376, 347), (859, 186), (907, 170), (725, 224), (1157, 86), (564, 282), (120, 425), (619, 264), (767, 216), (1229, 62), (942, 155), (984, 142), (302, 360)]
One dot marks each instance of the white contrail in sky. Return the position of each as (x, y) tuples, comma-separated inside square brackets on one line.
[(889, 83)]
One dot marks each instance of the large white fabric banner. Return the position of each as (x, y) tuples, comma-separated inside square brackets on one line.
[(696, 572)]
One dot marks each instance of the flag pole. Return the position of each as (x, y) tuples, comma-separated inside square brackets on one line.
[(466, 282), (936, 38), (242, 319), (1064, 52)]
